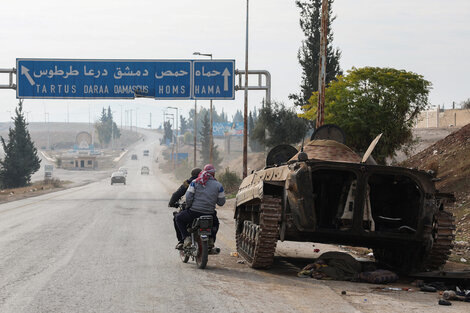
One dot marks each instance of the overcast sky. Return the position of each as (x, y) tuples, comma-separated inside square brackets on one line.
[(429, 37)]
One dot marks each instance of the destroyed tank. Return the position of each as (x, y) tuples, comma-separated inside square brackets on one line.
[(329, 194)]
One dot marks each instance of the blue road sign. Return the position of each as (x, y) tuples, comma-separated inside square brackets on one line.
[(124, 79), (214, 79), (103, 79)]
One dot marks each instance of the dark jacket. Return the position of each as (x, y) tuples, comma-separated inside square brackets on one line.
[(180, 192), (203, 199)]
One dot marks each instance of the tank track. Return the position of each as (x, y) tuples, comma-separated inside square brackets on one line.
[(442, 233), (257, 243)]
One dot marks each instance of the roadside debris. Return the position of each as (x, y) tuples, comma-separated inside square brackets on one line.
[(235, 254), (342, 266), (378, 277), (333, 265), (444, 302)]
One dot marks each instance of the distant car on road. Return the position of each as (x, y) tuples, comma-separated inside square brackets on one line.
[(144, 170), (123, 170), (146, 153), (118, 178), (134, 157)]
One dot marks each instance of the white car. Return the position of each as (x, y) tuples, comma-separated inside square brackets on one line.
[(123, 170), (144, 170), (118, 178)]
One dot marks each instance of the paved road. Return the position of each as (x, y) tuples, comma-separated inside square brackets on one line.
[(103, 248)]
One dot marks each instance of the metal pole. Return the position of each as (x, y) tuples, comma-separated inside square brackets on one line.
[(210, 134), (322, 68), (195, 130), (174, 144), (245, 116), (177, 131)]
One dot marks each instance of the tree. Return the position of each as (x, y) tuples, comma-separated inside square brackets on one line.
[(278, 125), (184, 124), (21, 159), (465, 104), (372, 100), (309, 52), (238, 117), (168, 132), (205, 145), (255, 146), (106, 127)]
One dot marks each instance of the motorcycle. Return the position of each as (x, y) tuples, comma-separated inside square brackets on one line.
[(201, 243)]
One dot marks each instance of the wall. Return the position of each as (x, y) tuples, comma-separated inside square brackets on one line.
[(447, 118)]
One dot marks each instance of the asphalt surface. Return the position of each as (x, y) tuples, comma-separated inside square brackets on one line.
[(103, 248)]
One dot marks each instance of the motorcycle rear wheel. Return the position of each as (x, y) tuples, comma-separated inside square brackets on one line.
[(202, 254)]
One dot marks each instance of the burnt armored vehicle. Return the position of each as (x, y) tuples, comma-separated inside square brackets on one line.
[(329, 194)]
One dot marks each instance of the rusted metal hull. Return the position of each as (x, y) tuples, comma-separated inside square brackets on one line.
[(389, 209)]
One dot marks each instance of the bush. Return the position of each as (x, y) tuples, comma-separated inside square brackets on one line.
[(55, 182), (229, 180)]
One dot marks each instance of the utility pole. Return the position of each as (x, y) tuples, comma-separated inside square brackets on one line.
[(195, 130), (245, 115), (322, 70)]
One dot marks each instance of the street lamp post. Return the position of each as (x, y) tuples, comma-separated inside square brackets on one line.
[(211, 140), (175, 144)]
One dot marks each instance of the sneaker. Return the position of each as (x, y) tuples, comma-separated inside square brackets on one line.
[(179, 246), (214, 250), (187, 242)]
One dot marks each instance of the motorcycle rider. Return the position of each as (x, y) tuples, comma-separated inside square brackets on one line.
[(176, 196), (201, 198)]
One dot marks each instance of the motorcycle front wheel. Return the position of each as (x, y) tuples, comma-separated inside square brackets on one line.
[(184, 257), (202, 253)]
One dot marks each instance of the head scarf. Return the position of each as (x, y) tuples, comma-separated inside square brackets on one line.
[(207, 173)]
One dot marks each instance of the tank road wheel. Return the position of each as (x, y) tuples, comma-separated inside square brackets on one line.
[(256, 243), (442, 234)]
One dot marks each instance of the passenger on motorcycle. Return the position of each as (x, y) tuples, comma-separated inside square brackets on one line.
[(201, 197), (174, 201)]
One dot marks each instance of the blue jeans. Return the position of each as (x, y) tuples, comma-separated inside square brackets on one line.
[(186, 217)]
